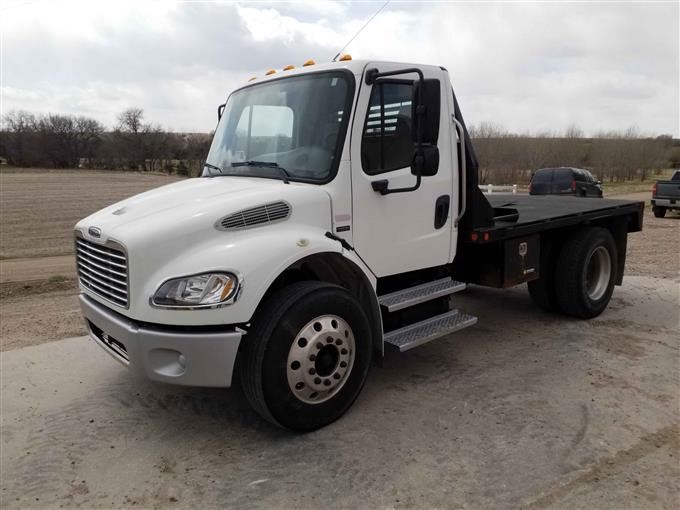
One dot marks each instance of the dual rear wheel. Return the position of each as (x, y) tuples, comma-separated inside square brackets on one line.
[(577, 277)]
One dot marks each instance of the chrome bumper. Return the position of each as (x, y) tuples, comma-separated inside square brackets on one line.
[(666, 202), (171, 356)]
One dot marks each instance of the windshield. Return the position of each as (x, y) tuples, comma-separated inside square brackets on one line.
[(292, 128)]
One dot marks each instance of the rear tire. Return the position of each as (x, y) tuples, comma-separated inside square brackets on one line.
[(659, 212), (275, 360), (542, 290), (586, 272)]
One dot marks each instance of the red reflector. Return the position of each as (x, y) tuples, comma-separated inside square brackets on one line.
[(573, 185), (486, 236), (474, 236)]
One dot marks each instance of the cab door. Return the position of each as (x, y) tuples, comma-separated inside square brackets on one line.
[(398, 232)]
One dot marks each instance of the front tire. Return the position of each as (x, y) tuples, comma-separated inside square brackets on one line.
[(586, 272), (306, 357), (659, 212)]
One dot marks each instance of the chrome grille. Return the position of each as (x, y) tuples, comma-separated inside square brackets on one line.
[(103, 270), (255, 216)]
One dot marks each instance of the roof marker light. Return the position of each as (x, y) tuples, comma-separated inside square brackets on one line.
[(253, 78), (271, 71), (345, 57), (289, 67), (309, 62)]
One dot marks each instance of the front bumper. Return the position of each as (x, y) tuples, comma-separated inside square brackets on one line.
[(666, 202), (162, 354)]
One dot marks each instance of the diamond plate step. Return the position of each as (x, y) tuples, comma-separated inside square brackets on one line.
[(420, 293), (422, 332)]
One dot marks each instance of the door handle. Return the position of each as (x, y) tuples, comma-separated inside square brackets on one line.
[(441, 211)]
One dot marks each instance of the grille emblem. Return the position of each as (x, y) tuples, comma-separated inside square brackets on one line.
[(95, 232)]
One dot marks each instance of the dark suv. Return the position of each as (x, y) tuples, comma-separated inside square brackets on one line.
[(565, 181)]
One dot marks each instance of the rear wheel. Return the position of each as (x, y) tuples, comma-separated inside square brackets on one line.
[(307, 355), (586, 271), (659, 212)]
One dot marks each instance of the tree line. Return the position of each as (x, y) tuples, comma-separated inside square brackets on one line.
[(508, 158), (74, 141), (69, 141)]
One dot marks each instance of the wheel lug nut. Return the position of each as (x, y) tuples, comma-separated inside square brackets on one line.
[(317, 380), (319, 345), (327, 382), (329, 340), (312, 371), (343, 351), (312, 357), (336, 376), (299, 386), (343, 364), (338, 342)]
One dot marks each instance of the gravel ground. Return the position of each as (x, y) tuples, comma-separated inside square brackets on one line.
[(525, 410)]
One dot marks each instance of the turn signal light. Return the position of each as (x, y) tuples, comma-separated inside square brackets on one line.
[(288, 67), (345, 57), (309, 62)]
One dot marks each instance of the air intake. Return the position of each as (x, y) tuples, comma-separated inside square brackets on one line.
[(255, 216)]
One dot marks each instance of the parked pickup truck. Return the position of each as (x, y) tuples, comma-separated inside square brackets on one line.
[(666, 195), (338, 211)]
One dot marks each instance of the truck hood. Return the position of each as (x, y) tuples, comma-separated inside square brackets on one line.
[(189, 209)]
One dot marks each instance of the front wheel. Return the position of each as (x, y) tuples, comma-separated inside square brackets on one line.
[(307, 356), (659, 212)]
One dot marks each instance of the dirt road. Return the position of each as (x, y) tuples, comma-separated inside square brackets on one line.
[(524, 410)]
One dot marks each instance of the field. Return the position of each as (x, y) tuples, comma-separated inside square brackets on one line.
[(38, 209)]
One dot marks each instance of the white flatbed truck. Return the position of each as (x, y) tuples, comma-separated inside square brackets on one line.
[(338, 210)]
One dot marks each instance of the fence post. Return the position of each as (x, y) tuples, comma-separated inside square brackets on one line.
[(489, 188), (514, 189)]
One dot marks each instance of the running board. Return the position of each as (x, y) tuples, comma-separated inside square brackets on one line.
[(419, 294), (422, 332)]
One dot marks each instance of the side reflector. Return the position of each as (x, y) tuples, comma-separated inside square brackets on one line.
[(345, 57), (474, 236), (309, 62), (288, 68), (271, 71)]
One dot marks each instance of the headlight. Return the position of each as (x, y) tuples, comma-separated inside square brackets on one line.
[(202, 290)]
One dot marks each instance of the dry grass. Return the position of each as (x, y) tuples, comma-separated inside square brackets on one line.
[(618, 188), (38, 207)]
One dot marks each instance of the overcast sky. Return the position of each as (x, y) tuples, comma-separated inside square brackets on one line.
[(528, 66)]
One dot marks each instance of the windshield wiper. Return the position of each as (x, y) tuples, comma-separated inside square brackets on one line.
[(265, 164), (213, 167)]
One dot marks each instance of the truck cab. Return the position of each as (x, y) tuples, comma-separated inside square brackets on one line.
[(337, 212)]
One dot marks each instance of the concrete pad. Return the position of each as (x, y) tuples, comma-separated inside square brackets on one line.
[(526, 409)]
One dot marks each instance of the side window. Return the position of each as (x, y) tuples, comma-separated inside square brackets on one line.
[(386, 142)]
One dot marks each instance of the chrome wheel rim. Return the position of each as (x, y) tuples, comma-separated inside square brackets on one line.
[(320, 359), (598, 273)]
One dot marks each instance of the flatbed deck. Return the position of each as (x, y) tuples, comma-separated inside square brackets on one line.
[(519, 215)]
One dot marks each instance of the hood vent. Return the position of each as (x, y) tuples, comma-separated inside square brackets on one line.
[(255, 216)]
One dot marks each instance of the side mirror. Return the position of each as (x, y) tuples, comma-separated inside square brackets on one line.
[(425, 110), (426, 163), (220, 111)]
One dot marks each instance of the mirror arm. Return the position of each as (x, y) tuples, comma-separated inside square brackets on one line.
[(220, 111), (371, 76)]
